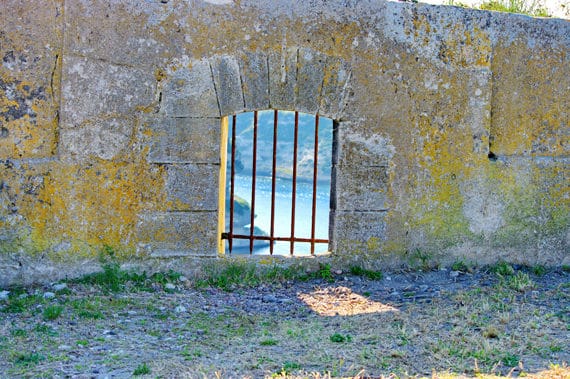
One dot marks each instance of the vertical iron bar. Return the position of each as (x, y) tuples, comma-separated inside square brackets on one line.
[(315, 169), (294, 182), (232, 183), (273, 176), (253, 174)]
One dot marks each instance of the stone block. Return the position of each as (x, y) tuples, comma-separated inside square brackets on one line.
[(190, 92), (166, 234), (336, 78), (255, 81), (310, 74), (228, 84), (105, 139), (350, 230), (283, 79), (193, 187), (184, 140), (136, 42), (357, 146), (97, 89), (361, 188)]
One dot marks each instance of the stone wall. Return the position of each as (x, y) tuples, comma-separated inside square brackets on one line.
[(452, 127)]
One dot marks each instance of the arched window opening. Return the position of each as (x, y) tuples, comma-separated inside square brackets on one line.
[(276, 176)]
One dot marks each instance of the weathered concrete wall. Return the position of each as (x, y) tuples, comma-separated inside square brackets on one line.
[(453, 127)]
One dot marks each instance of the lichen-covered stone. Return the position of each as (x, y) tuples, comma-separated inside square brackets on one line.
[(183, 140), (228, 84), (112, 90), (189, 92), (451, 127), (192, 187), (170, 234)]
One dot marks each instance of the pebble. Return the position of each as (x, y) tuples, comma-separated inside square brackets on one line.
[(180, 309), (169, 286), (424, 287), (64, 347), (338, 272), (49, 295), (59, 286), (182, 279), (269, 299), (454, 274), (4, 295)]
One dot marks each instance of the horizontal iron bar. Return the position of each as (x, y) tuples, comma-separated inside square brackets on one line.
[(268, 238)]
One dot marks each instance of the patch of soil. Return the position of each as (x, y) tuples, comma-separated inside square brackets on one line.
[(405, 324)]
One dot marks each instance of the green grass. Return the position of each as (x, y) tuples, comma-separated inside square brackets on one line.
[(503, 269), (370, 274), (339, 338), (141, 369), (521, 282), (528, 7), (28, 359), (52, 312), (268, 342), (17, 304)]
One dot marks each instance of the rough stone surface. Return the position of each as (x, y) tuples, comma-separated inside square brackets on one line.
[(190, 92), (184, 140), (192, 187), (451, 127), (173, 234), (112, 90), (104, 139), (255, 81), (228, 84), (360, 231), (361, 188)]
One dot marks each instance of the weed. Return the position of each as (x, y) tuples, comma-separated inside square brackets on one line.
[(339, 338), (288, 367), (87, 309), (502, 268), (229, 275), (20, 304), (141, 369), (52, 312), (420, 259), (268, 342), (491, 332), (82, 342), (566, 268), (370, 274), (28, 359), (510, 360), (45, 329), (19, 333), (538, 270), (520, 282), (163, 278), (461, 266), (324, 272), (528, 7)]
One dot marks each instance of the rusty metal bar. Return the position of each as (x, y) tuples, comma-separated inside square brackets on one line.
[(273, 177), (315, 169), (285, 239), (232, 183), (294, 189), (253, 175)]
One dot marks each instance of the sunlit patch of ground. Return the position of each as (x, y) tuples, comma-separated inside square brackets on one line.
[(341, 301)]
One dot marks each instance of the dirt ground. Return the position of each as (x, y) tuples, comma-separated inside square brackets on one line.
[(435, 323)]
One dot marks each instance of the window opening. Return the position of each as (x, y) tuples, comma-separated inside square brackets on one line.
[(277, 196)]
